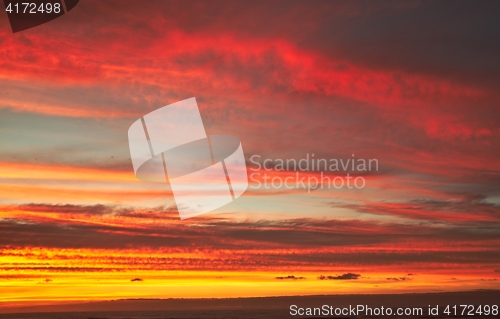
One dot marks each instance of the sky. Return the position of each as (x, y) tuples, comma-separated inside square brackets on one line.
[(414, 85)]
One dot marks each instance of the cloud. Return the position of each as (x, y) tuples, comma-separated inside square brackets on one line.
[(46, 281), (398, 278), (290, 277), (66, 209), (347, 276), (462, 209), (289, 242), (136, 279), (248, 77)]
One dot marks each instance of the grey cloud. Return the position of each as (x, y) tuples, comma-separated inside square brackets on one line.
[(290, 277), (347, 276)]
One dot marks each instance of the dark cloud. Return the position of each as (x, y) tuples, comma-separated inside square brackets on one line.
[(417, 36), (347, 276), (290, 277), (136, 279)]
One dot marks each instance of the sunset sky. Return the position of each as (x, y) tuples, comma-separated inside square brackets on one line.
[(413, 84)]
